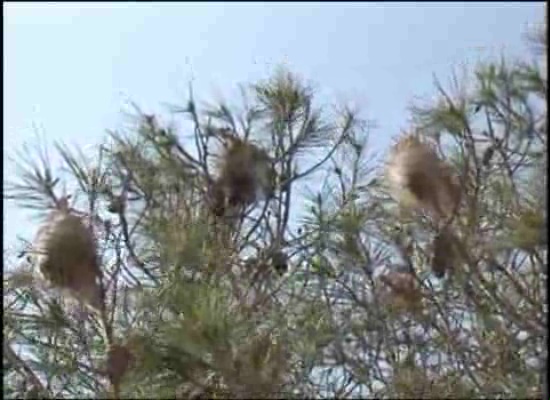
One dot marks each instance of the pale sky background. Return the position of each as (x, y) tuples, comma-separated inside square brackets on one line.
[(71, 68)]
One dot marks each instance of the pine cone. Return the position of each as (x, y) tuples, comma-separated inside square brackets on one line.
[(279, 261), (404, 293), (119, 359), (402, 284), (217, 199), (117, 205), (443, 253)]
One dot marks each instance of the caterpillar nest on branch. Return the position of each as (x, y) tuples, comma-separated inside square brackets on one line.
[(246, 175), (65, 252), (419, 179)]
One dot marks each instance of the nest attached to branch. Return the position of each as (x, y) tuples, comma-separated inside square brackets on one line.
[(419, 179), (66, 255), (246, 175)]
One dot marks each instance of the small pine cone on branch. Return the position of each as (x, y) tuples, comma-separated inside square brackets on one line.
[(404, 289), (444, 252), (119, 359), (279, 261)]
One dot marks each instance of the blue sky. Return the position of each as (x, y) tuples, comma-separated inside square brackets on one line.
[(71, 68)]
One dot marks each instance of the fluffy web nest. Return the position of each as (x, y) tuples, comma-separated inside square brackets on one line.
[(245, 175), (65, 253), (419, 179)]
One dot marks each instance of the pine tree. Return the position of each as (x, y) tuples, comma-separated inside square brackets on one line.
[(263, 252)]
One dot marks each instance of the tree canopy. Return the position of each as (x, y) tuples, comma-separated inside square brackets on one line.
[(259, 252)]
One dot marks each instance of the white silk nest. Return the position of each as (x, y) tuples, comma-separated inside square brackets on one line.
[(419, 179)]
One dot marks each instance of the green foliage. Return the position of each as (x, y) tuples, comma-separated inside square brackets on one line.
[(195, 298)]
